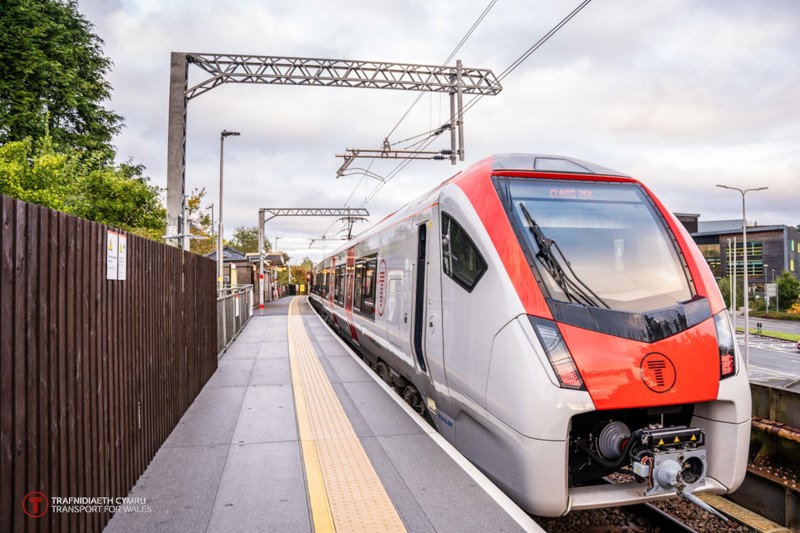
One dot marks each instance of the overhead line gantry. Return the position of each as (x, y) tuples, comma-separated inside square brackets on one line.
[(273, 70)]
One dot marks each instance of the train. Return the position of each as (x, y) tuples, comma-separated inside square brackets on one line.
[(556, 324)]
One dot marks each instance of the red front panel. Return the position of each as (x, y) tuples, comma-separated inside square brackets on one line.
[(622, 373)]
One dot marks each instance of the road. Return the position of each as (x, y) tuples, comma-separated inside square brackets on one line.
[(773, 362)]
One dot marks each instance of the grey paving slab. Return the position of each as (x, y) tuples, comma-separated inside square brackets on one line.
[(405, 502), (347, 369), (210, 420), (271, 371), (381, 413), (330, 346), (450, 499), (262, 489), (267, 415), (242, 351), (232, 373), (180, 487), (359, 425), (274, 348)]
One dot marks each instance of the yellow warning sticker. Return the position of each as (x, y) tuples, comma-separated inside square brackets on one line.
[(676, 439), (660, 442), (694, 438)]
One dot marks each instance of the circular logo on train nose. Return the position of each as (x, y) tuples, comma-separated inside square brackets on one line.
[(658, 372)]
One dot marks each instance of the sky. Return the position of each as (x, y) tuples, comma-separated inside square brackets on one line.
[(681, 94)]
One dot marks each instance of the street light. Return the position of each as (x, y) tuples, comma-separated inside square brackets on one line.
[(743, 192), (225, 133)]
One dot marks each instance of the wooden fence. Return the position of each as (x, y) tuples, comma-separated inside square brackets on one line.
[(95, 372)]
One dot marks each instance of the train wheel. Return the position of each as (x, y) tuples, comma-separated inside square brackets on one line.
[(383, 372), (413, 398)]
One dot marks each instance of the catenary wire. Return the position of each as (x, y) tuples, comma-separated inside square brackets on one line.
[(418, 98), (477, 98)]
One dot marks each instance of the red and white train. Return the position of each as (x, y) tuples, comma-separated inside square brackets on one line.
[(557, 324)]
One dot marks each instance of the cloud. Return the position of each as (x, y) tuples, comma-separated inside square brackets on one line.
[(682, 94)]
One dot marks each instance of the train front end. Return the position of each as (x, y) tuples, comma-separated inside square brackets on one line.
[(626, 311)]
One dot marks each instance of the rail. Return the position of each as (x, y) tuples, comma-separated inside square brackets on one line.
[(234, 309)]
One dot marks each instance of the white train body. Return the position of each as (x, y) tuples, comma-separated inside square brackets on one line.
[(443, 299)]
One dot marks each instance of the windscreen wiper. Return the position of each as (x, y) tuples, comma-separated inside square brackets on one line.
[(574, 288)]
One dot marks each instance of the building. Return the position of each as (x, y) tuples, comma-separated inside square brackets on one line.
[(771, 250)]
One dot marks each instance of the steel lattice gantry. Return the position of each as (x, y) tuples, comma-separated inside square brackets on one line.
[(225, 68), (351, 213), (311, 212), (272, 70)]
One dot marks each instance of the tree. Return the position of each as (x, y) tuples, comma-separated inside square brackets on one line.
[(52, 78), (725, 289), (788, 289), (66, 180), (200, 223), (245, 239)]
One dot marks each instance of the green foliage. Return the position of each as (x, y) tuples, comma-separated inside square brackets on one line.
[(55, 133), (725, 289), (788, 289), (66, 180), (245, 239), (52, 78), (200, 223)]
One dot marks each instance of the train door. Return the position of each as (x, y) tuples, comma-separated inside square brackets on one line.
[(419, 297), (427, 330)]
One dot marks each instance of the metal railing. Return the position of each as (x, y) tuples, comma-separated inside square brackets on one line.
[(234, 309)]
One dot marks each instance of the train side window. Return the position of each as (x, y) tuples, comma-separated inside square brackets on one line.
[(461, 260), (368, 291), (338, 287), (359, 281)]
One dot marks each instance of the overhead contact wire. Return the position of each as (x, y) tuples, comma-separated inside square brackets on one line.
[(538, 44)]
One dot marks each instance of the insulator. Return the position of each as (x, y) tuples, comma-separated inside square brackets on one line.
[(611, 439)]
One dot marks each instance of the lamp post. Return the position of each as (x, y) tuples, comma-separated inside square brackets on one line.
[(743, 192), (220, 262)]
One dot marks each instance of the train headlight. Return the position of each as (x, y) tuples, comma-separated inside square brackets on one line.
[(727, 345), (557, 353)]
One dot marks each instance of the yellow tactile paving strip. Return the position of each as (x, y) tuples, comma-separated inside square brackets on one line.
[(345, 493)]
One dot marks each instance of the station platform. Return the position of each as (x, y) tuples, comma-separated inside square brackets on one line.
[(293, 433)]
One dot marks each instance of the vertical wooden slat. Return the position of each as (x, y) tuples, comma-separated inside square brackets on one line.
[(68, 374), (54, 347), (18, 354), (99, 269), (6, 364), (31, 335), (42, 304), (115, 386)]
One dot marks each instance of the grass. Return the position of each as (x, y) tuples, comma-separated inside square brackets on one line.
[(794, 337)]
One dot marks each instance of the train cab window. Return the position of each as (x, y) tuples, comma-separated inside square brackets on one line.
[(461, 260)]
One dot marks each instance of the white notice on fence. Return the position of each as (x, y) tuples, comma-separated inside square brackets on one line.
[(112, 244), (122, 258), (116, 255)]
